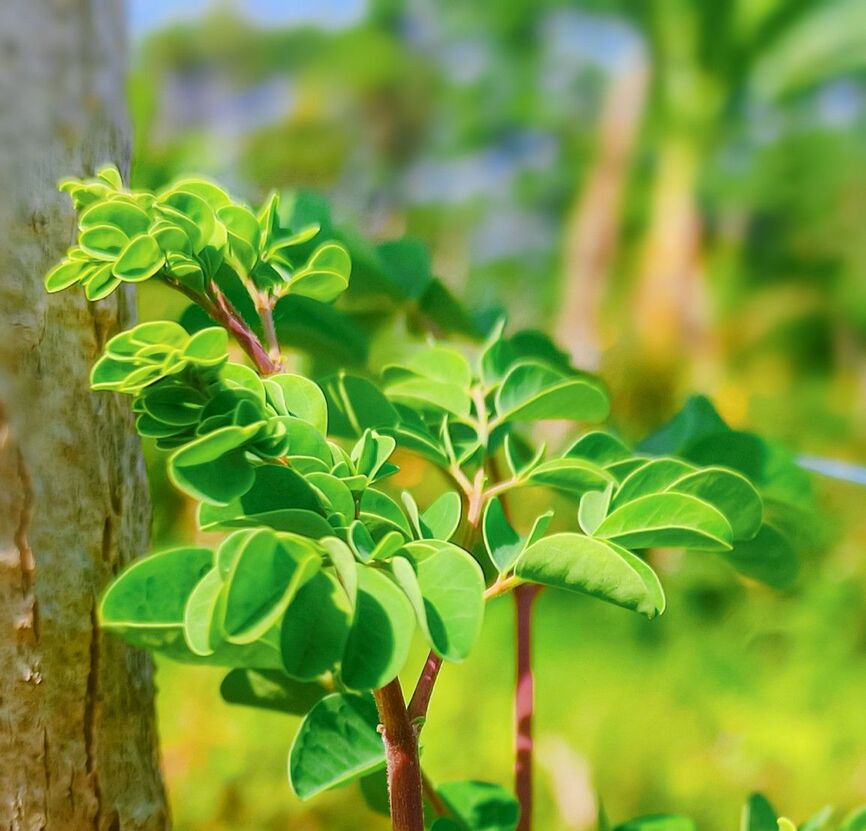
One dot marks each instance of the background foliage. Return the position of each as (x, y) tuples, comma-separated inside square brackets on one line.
[(545, 151)]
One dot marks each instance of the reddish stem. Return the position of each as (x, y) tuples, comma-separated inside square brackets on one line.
[(223, 311), (424, 688), (401, 753), (524, 701)]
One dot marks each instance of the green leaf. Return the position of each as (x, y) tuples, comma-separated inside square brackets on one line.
[(572, 476), (103, 241), (315, 628), (65, 274), (855, 821), (758, 815), (118, 211), (819, 820), (380, 512), (593, 509), (445, 586), (213, 468), (423, 393), (267, 573), (320, 330), (591, 566), (325, 276), (198, 617), (274, 488), (652, 476), (139, 260), (298, 396), (536, 392), (145, 603), (667, 520), (207, 347), (436, 376), (696, 421), (381, 632), (344, 565), (480, 806), (503, 543), (731, 493), (658, 822), (334, 494), (99, 283), (374, 790), (441, 520), (355, 405), (270, 689), (768, 557), (600, 447), (337, 742)]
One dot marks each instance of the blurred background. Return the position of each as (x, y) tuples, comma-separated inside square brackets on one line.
[(677, 190)]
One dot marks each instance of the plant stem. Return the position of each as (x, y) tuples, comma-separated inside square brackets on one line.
[(424, 688), (223, 312), (524, 702), (401, 753), (524, 691)]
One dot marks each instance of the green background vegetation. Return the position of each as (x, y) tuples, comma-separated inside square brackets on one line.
[(496, 133)]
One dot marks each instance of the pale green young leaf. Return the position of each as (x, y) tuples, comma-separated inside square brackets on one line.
[(593, 509), (198, 616), (139, 260), (145, 603)]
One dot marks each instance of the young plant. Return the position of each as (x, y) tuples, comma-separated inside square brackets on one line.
[(323, 574)]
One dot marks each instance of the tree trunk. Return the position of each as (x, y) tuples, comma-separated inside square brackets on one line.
[(670, 311), (592, 227), (77, 732)]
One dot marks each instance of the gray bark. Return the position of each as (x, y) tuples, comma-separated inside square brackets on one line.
[(77, 732)]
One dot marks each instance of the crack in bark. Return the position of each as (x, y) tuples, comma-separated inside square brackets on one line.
[(25, 514), (90, 702)]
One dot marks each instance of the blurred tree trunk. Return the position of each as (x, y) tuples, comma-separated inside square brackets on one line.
[(669, 312), (593, 224), (77, 733)]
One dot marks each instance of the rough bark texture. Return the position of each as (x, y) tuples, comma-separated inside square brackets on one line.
[(77, 734)]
